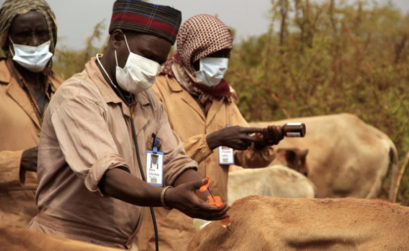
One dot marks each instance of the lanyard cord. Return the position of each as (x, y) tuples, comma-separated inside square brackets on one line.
[(138, 157)]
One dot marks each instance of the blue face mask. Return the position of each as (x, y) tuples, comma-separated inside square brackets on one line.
[(211, 71)]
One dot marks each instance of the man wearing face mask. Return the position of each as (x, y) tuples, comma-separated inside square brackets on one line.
[(99, 134), (201, 109), (28, 37)]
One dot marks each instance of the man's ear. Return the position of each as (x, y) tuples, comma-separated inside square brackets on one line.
[(117, 38)]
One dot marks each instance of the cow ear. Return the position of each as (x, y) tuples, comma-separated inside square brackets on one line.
[(290, 155), (303, 154)]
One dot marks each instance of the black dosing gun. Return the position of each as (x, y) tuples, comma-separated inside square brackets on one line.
[(294, 129), (273, 134)]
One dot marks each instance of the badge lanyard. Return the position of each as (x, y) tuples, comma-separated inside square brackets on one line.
[(154, 164)]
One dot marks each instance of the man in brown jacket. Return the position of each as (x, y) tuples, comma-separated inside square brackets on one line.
[(201, 109), (28, 37), (99, 134)]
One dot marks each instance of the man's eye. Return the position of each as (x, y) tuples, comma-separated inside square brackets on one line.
[(22, 35), (43, 34)]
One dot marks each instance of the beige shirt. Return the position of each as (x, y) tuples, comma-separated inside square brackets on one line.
[(87, 131), (19, 131), (192, 125)]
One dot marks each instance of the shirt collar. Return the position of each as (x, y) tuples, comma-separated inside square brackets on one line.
[(175, 86), (5, 76), (51, 84)]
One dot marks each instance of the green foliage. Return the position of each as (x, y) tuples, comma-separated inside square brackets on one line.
[(326, 58), (67, 62)]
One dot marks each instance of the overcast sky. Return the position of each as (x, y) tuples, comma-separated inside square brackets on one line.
[(76, 18)]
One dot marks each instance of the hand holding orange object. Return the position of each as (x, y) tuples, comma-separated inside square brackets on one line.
[(215, 201), (204, 187)]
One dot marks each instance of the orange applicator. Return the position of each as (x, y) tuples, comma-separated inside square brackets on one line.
[(215, 201)]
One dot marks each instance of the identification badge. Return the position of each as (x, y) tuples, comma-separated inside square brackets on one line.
[(154, 168), (154, 164), (226, 156)]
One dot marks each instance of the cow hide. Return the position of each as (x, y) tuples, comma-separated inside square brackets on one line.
[(264, 223)]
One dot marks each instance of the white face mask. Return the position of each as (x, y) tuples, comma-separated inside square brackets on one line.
[(33, 58), (138, 74), (211, 71)]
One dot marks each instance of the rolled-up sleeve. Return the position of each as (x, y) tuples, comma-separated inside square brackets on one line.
[(85, 140), (197, 148), (10, 172), (175, 159)]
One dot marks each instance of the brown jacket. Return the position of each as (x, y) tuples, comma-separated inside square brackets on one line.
[(87, 131), (189, 122), (19, 130)]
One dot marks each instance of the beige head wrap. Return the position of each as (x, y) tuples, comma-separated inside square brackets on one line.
[(13, 8)]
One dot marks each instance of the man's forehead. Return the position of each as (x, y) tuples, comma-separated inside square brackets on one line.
[(29, 17), (150, 46), (28, 20)]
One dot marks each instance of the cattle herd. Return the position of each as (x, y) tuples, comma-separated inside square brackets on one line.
[(302, 201)]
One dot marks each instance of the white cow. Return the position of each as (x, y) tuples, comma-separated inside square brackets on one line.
[(274, 181), (347, 157)]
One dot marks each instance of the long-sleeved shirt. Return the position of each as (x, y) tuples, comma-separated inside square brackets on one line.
[(19, 130), (87, 131)]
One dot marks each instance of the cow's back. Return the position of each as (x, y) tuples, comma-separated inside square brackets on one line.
[(263, 223), (275, 181), (347, 157)]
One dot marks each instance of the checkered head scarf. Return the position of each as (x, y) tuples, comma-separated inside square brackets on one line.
[(198, 37), (201, 36), (12, 8)]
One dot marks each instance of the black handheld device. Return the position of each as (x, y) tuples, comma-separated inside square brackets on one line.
[(294, 129)]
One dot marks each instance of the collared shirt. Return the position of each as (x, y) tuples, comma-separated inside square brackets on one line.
[(19, 130), (87, 131)]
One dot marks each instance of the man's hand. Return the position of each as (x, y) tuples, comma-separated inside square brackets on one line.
[(184, 198), (29, 160), (235, 137), (271, 135)]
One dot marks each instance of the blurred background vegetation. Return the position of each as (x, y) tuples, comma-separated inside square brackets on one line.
[(315, 59)]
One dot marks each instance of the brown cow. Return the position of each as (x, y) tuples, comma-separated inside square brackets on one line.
[(22, 239), (347, 157), (264, 223)]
